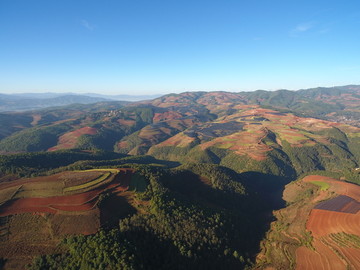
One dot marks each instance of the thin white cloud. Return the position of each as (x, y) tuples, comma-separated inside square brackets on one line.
[(87, 25), (301, 28)]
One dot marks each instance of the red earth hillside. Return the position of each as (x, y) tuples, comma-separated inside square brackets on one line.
[(69, 140)]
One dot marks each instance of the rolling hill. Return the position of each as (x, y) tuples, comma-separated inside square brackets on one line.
[(197, 180), (283, 133)]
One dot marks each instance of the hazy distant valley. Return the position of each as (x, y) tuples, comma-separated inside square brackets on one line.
[(33, 101)]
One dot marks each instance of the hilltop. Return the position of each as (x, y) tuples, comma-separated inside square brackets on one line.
[(305, 130), (193, 180)]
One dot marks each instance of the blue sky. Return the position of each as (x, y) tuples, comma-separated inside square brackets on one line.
[(151, 47)]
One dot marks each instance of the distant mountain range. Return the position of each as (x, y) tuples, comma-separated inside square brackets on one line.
[(124, 97), (298, 100), (32, 101)]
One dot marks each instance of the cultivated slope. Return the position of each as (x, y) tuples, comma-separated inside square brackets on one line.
[(278, 133), (317, 230)]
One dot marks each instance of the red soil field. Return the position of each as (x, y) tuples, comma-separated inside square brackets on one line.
[(322, 222), (69, 140), (78, 202), (329, 254), (323, 259), (179, 140), (76, 208), (243, 143), (126, 122), (171, 115), (19, 182), (49, 205), (123, 144)]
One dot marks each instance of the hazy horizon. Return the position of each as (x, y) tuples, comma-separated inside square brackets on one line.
[(154, 94), (160, 47)]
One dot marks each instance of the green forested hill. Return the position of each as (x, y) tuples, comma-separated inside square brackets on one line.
[(193, 216), (210, 170), (281, 133)]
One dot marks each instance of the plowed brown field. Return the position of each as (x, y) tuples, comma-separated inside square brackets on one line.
[(323, 224)]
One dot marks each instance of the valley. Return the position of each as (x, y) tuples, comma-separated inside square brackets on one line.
[(197, 180)]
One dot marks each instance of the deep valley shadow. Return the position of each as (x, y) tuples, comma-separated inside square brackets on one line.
[(114, 208), (254, 209), (267, 192)]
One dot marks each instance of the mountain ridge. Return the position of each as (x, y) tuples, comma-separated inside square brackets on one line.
[(188, 179), (259, 130)]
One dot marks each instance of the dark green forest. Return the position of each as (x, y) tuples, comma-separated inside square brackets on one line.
[(203, 207), (190, 224)]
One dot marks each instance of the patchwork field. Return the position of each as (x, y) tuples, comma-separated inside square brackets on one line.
[(334, 224), (63, 204), (319, 228), (253, 131)]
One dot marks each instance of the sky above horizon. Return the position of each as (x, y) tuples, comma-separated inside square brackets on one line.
[(157, 47)]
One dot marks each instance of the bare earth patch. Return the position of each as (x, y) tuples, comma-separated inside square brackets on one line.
[(303, 237), (69, 139)]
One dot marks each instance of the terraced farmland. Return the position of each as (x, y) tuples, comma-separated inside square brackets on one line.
[(89, 184), (81, 198), (46, 203), (319, 229)]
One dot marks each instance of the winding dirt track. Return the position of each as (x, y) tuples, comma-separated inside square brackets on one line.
[(328, 254)]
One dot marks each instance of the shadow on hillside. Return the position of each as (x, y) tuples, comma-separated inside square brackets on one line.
[(146, 159), (168, 163), (269, 186), (199, 191), (113, 209), (255, 210), (267, 191)]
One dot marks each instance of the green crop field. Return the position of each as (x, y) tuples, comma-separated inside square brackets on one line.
[(89, 184), (114, 171), (322, 185)]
